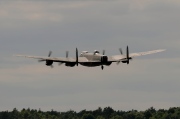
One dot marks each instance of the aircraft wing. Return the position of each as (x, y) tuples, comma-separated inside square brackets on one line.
[(58, 59), (145, 53), (119, 58), (115, 58)]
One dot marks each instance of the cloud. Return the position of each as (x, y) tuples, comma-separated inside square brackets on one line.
[(35, 27), (17, 14)]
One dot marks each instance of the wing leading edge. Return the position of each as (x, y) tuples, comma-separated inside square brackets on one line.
[(58, 59), (119, 58)]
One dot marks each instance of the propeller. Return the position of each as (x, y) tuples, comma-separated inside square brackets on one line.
[(120, 50), (52, 66), (76, 57), (67, 53), (50, 52), (42, 60), (118, 62), (102, 67), (104, 52), (60, 63), (127, 55)]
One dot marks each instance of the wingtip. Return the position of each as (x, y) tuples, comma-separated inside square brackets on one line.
[(162, 50), (19, 55), (15, 55)]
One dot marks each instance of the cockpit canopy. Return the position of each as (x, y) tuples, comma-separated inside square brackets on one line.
[(95, 51)]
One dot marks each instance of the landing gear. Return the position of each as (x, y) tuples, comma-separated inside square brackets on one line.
[(102, 67)]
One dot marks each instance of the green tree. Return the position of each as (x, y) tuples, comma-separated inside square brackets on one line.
[(97, 112), (15, 114), (149, 113), (139, 115), (88, 116), (116, 117), (107, 112), (5, 115), (100, 117)]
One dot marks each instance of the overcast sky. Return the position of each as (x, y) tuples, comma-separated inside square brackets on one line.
[(34, 27)]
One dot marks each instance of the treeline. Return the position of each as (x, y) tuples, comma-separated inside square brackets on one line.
[(106, 113)]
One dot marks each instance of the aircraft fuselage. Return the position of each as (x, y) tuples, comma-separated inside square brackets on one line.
[(102, 59)]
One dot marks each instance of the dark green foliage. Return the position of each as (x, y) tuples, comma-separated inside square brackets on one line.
[(87, 116), (106, 113)]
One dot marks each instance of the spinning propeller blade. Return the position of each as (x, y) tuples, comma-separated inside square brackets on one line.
[(76, 57), (50, 52), (117, 63), (41, 60), (120, 50), (103, 52), (127, 55), (60, 63), (67, 53)]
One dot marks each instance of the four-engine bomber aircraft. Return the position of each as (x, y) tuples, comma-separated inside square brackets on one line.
[(91, 59)]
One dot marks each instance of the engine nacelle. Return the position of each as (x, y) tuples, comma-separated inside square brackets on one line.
[(108, 63), (104, 59), (70, 64), (49, 62), (124, 61)]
